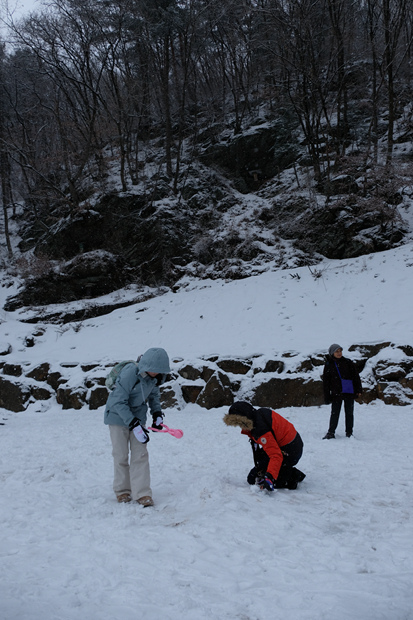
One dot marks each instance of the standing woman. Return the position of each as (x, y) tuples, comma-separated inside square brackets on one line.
[(341, 383)]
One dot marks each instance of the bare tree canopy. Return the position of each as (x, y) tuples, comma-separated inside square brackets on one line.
[(87, 80)]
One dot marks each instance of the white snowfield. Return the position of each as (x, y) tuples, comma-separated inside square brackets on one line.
[(339, 547), (214, 548)]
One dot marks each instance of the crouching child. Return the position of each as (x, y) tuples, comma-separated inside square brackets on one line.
[(276, 445)]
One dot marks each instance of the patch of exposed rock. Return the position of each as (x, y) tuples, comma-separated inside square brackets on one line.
[(286, 380)]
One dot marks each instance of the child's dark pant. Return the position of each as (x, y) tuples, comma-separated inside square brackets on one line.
[(292, 453)]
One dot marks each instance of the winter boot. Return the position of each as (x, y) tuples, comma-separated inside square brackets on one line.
[(124, 498), (298, 475), (292, 484), (329, 436), (145, 501)]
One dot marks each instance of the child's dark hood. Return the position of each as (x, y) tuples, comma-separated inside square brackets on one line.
[(241, 414)]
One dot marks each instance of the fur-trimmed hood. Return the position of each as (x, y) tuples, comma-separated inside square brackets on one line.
[(241, 414)]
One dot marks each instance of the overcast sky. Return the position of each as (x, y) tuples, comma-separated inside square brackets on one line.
[(19, 7)]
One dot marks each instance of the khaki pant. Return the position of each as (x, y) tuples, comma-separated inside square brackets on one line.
[(130, 475)]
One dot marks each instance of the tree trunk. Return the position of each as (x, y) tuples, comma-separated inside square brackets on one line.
[(6, 195)]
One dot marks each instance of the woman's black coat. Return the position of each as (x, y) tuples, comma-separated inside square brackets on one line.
[(332, 381)]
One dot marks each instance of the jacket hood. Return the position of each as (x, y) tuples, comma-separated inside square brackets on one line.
[(241, 414), (155, 360)]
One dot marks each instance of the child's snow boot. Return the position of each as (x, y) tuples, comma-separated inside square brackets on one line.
[(124, 498)]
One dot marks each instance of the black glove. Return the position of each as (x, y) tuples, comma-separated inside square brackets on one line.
[(266, 482), (135, 422), (251, 478), (157, 420)]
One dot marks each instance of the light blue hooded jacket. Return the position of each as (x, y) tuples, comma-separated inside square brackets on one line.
[(134, 388)]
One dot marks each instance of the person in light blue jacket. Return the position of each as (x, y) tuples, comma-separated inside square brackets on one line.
[(126, 413)]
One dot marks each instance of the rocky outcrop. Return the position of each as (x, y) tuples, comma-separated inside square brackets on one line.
[(14, 395), (297, 392), (346, 229), (255, 156), (286, 380), (123, 239), (87, 275)]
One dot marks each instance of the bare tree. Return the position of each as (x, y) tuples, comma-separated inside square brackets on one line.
[(63, 43), (96, 73), (394, 17), (5, 168)]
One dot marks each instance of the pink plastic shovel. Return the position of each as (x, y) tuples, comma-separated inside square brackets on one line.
[(175, 432)]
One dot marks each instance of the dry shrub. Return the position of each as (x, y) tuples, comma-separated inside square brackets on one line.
[(32, 266)]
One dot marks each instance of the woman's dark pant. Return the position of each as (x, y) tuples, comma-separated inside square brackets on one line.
[(335, 413)]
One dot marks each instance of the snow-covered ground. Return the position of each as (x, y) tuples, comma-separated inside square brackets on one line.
[(212, 548), (338, 548)]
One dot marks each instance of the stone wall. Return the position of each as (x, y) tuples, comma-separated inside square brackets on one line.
[(284, 380)]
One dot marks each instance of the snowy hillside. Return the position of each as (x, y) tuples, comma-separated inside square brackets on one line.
[(214, 548), (365, 299)]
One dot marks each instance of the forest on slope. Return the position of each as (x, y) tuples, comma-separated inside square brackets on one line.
[(165, 115)]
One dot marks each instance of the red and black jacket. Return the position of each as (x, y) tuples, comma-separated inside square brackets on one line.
[(272, 432)]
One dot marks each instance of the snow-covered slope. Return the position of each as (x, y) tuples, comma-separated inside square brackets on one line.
[(360, 300)]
